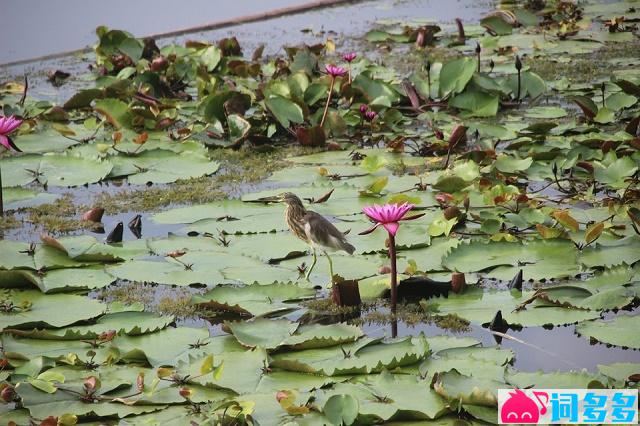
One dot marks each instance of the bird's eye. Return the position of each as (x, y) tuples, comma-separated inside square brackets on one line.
[(526, 414)]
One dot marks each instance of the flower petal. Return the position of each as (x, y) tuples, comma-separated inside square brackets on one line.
[(413, 217), (9, 124), (4, 141), (391, 227), (370, 229), (371, 213)]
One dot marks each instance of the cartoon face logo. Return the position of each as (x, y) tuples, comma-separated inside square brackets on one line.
[(519, 408)]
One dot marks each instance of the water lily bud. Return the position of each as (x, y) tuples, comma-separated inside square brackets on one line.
[(478, 49), (421, 38), (518, 63), (370, 115), (140, 382), (94, 215), (428, 65), (281, 395), (159, 63), (444, 198), (364, 108), (141, 138), (107, 336), (91, 384), (439, 134), (116, 137), (185, 393), (451, 212), (458, 134), (384, 270), (7, 393), (491, 65), (164, 372), (334, 146), (176, 253)]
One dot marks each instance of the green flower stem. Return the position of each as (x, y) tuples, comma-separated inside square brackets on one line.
[(394, 285), (326, 106), (1, 201), (394, 273)]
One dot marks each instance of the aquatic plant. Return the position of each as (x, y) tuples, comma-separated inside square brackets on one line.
[(389, 216), (334, 72), (7, 126)]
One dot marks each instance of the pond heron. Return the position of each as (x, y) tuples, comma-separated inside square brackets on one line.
[(313, 229)]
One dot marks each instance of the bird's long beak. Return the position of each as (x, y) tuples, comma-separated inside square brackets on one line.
[(271, 199)]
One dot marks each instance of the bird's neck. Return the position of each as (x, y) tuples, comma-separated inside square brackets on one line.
[(295, 211)]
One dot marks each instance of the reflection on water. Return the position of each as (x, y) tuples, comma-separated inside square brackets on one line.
[(535, 348)]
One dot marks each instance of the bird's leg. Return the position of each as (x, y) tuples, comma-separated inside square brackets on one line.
[(315, 259), (330, 267)]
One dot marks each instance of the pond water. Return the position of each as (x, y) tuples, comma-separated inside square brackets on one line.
[(556, 348), (70, 25)]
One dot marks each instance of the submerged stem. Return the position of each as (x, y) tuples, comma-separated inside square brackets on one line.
[(326, 106)]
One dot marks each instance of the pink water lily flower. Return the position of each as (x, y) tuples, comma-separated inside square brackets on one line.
[(370, 115), (7, 126), (349, 57), (335, 71), (388, 215)]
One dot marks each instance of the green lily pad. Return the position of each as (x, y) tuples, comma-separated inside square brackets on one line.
[(361, 357), (55, 310), (18, 198), (256, 299), (53, 170), (160, 166), (262, 332), (625, 334), (545, 112)]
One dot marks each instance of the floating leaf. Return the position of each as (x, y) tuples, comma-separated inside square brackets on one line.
[(625, 327), (341, 409)]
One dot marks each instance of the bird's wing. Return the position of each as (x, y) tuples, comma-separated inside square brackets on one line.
[(322, 232)]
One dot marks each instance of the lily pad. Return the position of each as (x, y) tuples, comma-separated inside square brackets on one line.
[(625, 327)]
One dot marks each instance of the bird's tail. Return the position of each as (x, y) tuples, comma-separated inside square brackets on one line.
[(348, 247)]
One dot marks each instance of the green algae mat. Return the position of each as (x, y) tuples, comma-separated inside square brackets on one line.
[(516, 167)]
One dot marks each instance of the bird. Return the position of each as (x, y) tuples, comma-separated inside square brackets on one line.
[(314, 229)]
